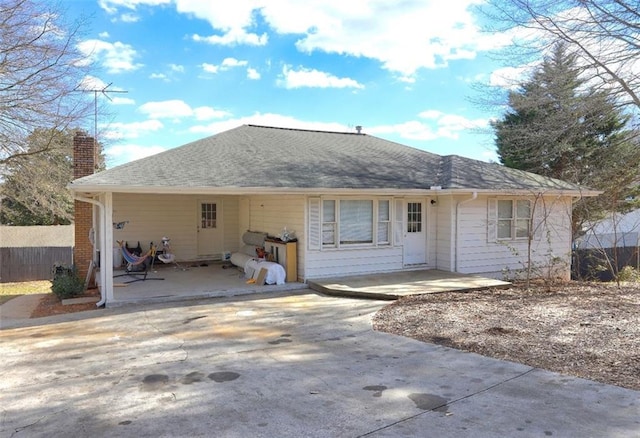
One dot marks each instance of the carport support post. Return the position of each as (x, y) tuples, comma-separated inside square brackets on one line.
[(107, 262)]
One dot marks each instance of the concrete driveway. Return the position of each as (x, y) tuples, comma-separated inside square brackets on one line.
[(299, 364)]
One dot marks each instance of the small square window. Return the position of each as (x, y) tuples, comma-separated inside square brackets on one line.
[(514, 219)]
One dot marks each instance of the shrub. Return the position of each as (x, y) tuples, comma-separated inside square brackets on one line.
[(628, 273), (66, 283)]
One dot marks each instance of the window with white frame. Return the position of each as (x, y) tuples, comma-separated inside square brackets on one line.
[(514, 219), (329, 223), (384, 222), (349, 222)]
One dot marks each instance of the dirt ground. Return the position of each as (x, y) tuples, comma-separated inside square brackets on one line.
[(51, 305), (588, 330)]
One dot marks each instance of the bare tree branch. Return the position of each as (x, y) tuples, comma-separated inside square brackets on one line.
[(40, 72), (605, 34)]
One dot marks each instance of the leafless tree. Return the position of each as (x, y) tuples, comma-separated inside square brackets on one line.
[(605, 34), (41, 70)]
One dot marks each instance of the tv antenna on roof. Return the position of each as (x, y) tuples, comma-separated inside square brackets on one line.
[(95, 92)]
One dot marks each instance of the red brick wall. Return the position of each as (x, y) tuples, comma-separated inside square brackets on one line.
[(83, 165)]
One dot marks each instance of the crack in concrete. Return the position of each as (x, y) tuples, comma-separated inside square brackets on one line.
[(22, 428), (171, 335), (435, 408)]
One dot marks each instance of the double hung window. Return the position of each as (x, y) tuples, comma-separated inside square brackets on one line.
[(514, 219), (356, 222)]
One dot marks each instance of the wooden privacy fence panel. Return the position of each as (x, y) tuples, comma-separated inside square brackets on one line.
[(35, 263)]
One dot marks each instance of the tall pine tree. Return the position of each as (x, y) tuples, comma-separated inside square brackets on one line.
[(558, 126)]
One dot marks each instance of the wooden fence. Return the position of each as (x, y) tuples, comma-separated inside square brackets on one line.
[(591, 264), (32, 263)]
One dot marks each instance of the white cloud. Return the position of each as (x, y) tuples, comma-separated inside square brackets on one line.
[(115, 57), (123, 153), (450, 125), (178, 109), (412, 130), (407, 79), (117, 131), (111, 6), (122, 101), (315, 79), (436, 125), (129, 18), (170, 75), (210, 68), (233, 62), (509, 77), (90, 83), (233, 37), (104, 35), (418, 34), (207, 113), (227, 64), (253, 74), (267, 119), (160, 76), (93, 84), (166, 109), (403, 37)]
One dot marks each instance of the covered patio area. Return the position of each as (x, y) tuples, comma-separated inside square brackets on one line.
[(165, 283), (216, 279)]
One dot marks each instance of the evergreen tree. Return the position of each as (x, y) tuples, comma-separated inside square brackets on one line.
[(558, 126), (34, 188)]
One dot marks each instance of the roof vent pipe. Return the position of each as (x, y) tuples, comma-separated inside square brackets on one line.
[(359, 129)]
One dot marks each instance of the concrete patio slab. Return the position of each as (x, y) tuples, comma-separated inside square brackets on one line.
[(20, 307), (391, 286), (167, 283)]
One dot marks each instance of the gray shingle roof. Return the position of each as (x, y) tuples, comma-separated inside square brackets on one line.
[(257, 156)]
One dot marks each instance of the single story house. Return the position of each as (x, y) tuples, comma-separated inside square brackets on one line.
[(357, 204)]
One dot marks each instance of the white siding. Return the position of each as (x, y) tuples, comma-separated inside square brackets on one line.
[(270, 214), (151, 217), (230, 222), (445, 215), (335, 263), (479, 255), (331, 262), (432, 233)]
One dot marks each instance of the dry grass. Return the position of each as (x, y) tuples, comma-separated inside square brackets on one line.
[(9, 291)]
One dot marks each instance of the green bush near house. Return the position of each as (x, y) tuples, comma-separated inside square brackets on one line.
[(66, 283)]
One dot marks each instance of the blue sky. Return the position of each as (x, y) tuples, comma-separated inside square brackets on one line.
[(403, 70)]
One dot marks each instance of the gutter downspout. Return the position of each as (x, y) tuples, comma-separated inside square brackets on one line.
[(103, 255), (474, 196)]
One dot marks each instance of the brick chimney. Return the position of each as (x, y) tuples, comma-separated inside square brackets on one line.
[(83, 165)]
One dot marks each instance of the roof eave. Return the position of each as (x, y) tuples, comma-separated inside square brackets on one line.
[(235, 190), (574, 193)]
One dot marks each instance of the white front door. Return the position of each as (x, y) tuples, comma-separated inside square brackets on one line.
[(209, 228), (415, 242)]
